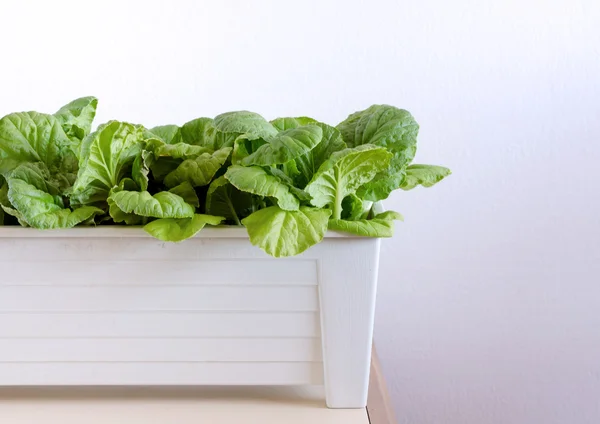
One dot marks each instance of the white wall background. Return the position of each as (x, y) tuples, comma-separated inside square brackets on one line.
[(489, 306)]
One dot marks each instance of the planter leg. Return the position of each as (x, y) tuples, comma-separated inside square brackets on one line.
[(347, 289)]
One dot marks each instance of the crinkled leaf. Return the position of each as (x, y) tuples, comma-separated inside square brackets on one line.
[(195, 132), (309, 163), (36, 174), (425, 175), (244, 146), (344, 173), (106, 156), (299, 193), (1, 209), (187, 192), (177, 150), (35, 137), (255, 180), (389, 127), (286, 146), (286, 233), (42, 210), (244, 122), (291, 170), (283, 124), (305, 166), (382, 225), (116, 213), (77, 116), (141, 169), (169, 229), (198, 171), (170, 134), (223, 199), (161, 205), (162, 166), (352, 208), (202, 132), (7, 207), (199, 132)]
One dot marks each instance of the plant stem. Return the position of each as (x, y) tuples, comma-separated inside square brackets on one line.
[(337, 206), (232, 209)]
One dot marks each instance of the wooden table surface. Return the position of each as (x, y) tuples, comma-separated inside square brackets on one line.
[(182, 405), (215, 405)]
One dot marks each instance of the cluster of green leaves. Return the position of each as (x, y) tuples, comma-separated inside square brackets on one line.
[(287, 181)]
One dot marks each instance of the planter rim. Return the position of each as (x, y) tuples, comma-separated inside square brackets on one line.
[(121, 231)]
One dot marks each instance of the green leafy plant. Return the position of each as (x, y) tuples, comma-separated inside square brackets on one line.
[(287, 181)]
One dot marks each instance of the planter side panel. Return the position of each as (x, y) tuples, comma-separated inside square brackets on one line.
[(110, 311), (347, 287)]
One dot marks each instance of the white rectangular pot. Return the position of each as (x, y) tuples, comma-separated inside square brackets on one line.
[(113, 306)]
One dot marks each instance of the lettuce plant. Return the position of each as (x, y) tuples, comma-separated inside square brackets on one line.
[(287, 181)]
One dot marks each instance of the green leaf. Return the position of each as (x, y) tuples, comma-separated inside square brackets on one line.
[(389, 127), (35, 137), (306, 165), (202, 132), (244, 146), (344, 173), (42, 210), (161, 205), (299, 193), (7, 207), (352, 207), (198, 171), (244, 122), (382, 225), (291, 170), (425, 175), (116, 213), (170, 134), (283, 124), (283, 233), (106, 156), (286, 146), (162, 166), (195, 132), (309, 163), (187, 193), (2, 214), (36, 174), (141, 169), (223, 199), (256, 180), (169, 229), (77, 116), (177, 150)]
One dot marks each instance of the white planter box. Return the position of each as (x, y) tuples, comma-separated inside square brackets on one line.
[(113, 306)]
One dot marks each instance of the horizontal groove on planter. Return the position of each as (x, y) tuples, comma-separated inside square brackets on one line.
[(104, 271), (162, 350), (152, 324), (16, 298), (182, 373), (152, 337)]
